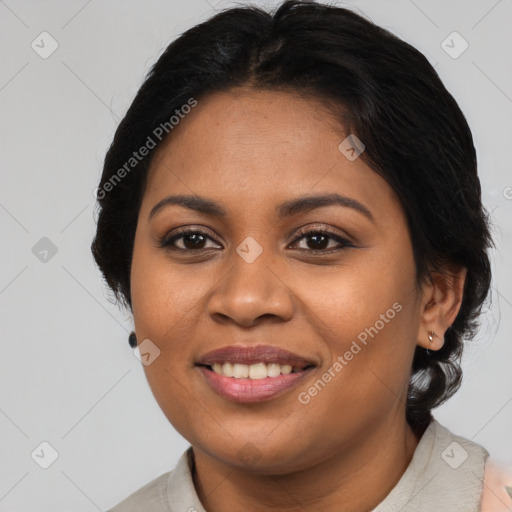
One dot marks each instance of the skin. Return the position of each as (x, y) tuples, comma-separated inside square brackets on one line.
[(250, 151), (495, 497)]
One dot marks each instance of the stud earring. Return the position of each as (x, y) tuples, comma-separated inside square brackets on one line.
[(431, 335), (132, 340)]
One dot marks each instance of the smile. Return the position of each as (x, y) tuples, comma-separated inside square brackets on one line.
[(254, 371)]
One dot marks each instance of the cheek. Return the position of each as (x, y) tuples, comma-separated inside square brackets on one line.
[(180, 402), (353, 298), (164, 296), (366, 319), (163, 302)]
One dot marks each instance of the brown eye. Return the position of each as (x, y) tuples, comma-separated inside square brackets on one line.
[(317, 241), (321, 241), (189, 240), (193, 241)]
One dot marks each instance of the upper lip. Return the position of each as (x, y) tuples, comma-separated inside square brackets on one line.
[(254, 354)]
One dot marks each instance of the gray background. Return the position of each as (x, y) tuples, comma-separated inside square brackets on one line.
[(67, 374)]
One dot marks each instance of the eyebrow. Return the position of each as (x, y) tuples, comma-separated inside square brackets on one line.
[(286, 209)]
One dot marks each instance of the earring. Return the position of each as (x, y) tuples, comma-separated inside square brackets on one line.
[(132, 340), (431, 335)]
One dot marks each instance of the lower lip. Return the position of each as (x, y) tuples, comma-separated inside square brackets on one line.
[(252, 390)]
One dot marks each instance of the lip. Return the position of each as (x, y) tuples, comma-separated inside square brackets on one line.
[(254, 354), (247, 390), (252, 390)]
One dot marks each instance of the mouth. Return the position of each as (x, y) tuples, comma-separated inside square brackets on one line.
[(255, 371), (253, 374)]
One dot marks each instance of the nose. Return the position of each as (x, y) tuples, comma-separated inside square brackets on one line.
[(250, 293)]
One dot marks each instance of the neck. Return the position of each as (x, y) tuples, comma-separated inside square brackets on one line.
[(353, 479)]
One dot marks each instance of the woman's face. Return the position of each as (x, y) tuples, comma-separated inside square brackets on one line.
[(269, 263)]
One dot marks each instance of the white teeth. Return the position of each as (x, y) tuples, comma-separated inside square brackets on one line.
[(258, 371), (253, 371), (240, 371), (227, 369), (286, 369), (273, 369)]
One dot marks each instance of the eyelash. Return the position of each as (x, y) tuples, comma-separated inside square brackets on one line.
[(167, 242)]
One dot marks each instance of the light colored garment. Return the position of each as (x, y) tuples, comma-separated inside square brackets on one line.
[(445, 474)]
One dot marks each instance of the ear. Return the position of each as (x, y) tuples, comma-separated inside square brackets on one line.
[(440, 303)]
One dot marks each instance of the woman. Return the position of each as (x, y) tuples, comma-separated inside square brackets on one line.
[(291, 211)]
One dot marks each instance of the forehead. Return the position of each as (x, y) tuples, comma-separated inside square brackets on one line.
[(262, 146)]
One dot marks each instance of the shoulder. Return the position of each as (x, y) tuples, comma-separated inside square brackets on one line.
[(445, 474), (172, 491), (148, 498), (497, 488)]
